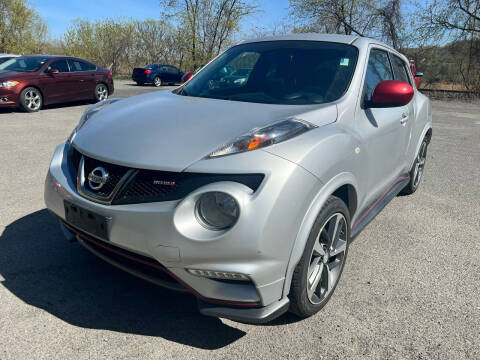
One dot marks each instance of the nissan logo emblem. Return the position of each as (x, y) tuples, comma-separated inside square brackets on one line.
[(97, 178)]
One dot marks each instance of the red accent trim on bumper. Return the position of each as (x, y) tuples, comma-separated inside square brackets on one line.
[(160, 267)]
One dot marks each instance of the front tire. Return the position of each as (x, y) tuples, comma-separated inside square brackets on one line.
[(416, 173), (101, 92), (157, 82), (317, 274), (31, 99)]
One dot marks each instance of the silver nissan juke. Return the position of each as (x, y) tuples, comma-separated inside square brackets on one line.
[(246, 185)]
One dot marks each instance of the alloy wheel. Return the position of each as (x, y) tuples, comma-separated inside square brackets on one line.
[(102, 92), (419, 165), (33, 100), (157, 81), (327, 258)]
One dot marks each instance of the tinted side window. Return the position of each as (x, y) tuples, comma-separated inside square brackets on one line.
[(173, 69), (400, 70), (378, 70), (164, 68), (77, 65), (60, 65)]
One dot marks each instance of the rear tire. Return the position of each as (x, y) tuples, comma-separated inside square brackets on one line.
[(140, 83), (317, 274), (31, 99), (101, 92), (157, 82), (416, 173)]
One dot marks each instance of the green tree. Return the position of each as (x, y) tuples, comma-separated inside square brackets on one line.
[(107, 42), (21, 28)]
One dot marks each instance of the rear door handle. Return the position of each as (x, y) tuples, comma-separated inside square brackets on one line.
[(404, 119)]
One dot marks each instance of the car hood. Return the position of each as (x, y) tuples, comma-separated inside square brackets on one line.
[(165, 131)]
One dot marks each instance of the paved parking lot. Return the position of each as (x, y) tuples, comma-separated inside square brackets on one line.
[(410, 289)]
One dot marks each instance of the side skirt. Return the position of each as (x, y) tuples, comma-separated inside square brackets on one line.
[(369, 214)]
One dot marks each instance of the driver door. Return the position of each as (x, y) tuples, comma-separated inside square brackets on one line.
[(57, 87), (383, 133)]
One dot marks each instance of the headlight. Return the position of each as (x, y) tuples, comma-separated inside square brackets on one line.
[(9, 83), (88, 114), (261, 137), (217, 210)]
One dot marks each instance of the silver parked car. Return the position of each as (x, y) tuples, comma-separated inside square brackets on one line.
[(247, 194)]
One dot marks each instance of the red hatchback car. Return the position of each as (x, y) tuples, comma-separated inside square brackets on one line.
[(30, 82)]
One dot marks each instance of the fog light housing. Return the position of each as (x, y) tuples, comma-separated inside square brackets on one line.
[(221, 275), (217, 210)]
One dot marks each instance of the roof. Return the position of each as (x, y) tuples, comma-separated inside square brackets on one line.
[(8, 55), (344, 39), (46, 56), (357, 40)]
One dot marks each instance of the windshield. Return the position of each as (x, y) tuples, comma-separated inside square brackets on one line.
[(24, 64), (2, 60), (278, 72)]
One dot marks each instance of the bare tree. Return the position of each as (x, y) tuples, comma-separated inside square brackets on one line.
[(152, 41), (334, 16), (209, 25), (391, 22), (458, 21)]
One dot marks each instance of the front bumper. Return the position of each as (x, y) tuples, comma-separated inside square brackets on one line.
[(9, 96), (259, 244)]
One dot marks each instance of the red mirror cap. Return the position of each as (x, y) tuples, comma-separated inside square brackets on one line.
[(392, 92)]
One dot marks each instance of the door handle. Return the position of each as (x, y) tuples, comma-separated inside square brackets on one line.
[(404, 119), (81, 80)]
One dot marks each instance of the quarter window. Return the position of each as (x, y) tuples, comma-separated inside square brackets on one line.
[(400, 69), (378, 69)]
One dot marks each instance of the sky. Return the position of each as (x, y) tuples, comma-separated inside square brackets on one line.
[(59, 14)]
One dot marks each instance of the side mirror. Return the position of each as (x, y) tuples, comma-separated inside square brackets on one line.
[(390, 93), (418, 74), (52, 71)]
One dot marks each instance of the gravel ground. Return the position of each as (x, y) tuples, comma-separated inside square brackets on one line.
[(410, 289)]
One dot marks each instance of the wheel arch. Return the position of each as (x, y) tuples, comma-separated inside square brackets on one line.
[(344, 186), (426, 133), (44, 100)]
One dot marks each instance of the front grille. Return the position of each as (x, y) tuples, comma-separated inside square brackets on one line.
[(148, 185), (115, 173), (141, 185)]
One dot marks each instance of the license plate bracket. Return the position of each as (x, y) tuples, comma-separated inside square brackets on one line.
[(86, 220)]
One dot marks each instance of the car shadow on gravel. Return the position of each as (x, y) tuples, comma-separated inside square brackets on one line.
[(42, 269)]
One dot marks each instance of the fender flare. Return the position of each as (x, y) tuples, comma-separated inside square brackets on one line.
[(426, 128), (345, 178)]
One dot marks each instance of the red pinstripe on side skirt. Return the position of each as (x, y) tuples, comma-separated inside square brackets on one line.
[(378, 200)]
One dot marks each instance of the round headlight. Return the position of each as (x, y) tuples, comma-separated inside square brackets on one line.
[(217, 210)]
